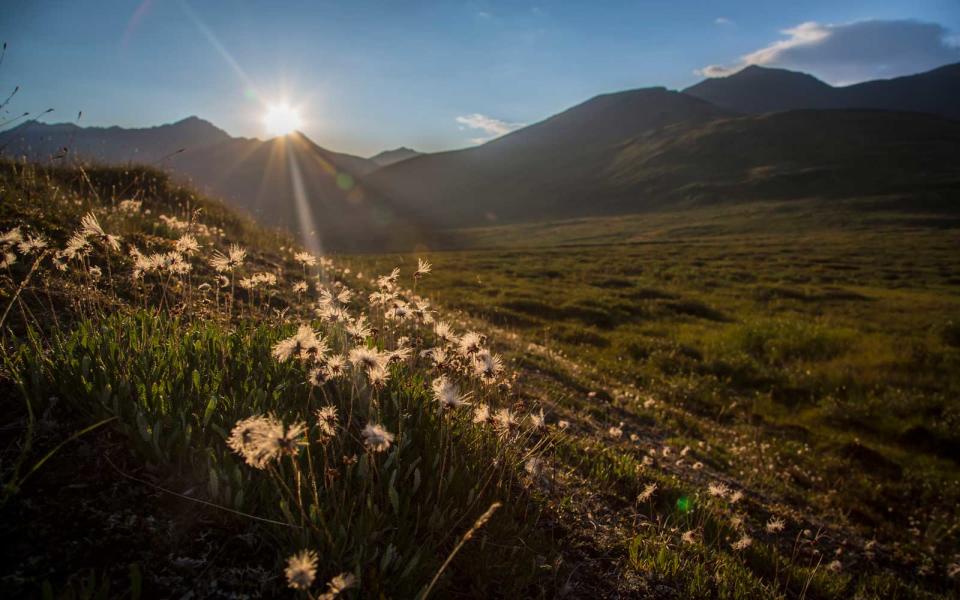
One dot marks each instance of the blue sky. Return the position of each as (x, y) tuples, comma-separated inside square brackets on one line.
[(369, 75)]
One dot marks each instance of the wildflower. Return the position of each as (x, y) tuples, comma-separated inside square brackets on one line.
[(78, 246), (261, 439), (301, 569), (400, 354), (376, 437), (366, 358), (359, 329), (743, 543), (7, 260), (421, 310), (187, 244), (487, 366), (32, 244), (300, 287), (305, 344), (230, 261), (336, 366), (735, 497), (647, 492), (378, 376), (504, 420), (95, 273), (718, 490), (267, 279), (400, 312), (423, 268), (90, 227), (834, 566), (470, 343), (332, 314), (176, 264), (339, 584), (775, 525), (697, 466), (446, 393), (481, 413), (615, 432), (689, 537), (538, 421), (305, 258), (327, 421), (444, 332), (563, 424), (129, 207)]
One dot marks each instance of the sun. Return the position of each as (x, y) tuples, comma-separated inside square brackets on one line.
[(281, 119)]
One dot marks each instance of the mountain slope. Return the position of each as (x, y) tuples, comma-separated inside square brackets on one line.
[(286, 182), (292, 182), (761, 89), (388, 157), (543, 171), (908, 157)]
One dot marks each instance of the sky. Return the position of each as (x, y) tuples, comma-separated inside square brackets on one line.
[(370, 75)]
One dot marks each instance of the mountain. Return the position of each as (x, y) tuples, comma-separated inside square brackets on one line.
[(286, 182), (760, 89), (906, 160), (112, 145), (388, 157), (546, 170)]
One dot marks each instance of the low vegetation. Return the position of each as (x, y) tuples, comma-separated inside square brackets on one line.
[(198, 406), (326, 427), (808, 364)]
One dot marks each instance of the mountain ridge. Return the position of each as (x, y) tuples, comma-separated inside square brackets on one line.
[(757, 89)]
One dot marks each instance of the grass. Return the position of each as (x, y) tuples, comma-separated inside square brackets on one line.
[(807, 357), (168, 363), (700, 383)]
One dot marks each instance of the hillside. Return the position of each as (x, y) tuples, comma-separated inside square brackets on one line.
[(904, 157), (292, 183), (217, 404), (758, 89), (676, 163), (541, 171), (288, 182)]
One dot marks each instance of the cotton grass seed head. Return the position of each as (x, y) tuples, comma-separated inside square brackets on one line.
[(376, 438), (301, 570)]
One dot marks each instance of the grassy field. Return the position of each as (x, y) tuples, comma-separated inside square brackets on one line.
[(715, 404), (809, 358), (197, 407)]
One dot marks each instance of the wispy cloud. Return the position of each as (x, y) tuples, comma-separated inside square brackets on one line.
[(722, 21), (853, 52), (492, 127)]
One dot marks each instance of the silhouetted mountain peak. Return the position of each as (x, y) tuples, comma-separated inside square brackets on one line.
[(756, 89), (389, 157)]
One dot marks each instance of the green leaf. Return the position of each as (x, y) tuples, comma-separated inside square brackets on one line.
[(211, 406)]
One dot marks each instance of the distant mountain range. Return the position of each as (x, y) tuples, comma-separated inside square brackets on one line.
[(758, 134), (761, 90)]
